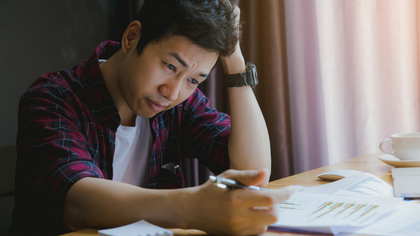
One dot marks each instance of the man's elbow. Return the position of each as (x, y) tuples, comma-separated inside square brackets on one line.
[(72, 219)]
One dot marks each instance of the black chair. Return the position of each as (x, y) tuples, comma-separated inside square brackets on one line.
[(7, 186)]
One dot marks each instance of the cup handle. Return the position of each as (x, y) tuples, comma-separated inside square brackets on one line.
[(384, 141)]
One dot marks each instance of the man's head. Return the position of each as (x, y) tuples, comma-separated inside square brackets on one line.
[(209, 24), (169, 50)]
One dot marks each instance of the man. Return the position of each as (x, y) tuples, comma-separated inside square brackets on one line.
[(98, 143)]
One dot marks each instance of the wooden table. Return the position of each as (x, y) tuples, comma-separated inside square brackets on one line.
[(367, 163)]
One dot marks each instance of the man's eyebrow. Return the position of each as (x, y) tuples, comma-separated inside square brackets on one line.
[(176, 55), (180, 60)]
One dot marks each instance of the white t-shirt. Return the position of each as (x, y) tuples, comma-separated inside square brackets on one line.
[(133, 146)]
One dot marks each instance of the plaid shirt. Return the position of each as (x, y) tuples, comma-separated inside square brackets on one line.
[(67, 123)]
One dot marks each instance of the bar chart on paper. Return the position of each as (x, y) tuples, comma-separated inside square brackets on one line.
[(304, 209)]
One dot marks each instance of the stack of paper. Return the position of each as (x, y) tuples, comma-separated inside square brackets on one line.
[(322, 212), (403, 220), (140, 228), (363, 204)]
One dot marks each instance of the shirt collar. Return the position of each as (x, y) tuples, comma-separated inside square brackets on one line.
[(102, 105)]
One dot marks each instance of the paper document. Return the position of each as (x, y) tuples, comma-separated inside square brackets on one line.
[(140, 228), (364, 183), (305, 210), (404, 220), (355, 201)]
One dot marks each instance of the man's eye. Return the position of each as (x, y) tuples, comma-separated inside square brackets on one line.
[(170, 66), (194, 81)]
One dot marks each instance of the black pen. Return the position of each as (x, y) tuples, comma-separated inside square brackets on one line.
[(232, 184)]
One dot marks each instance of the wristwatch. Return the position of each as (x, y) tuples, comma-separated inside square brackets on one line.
[(249, 77)]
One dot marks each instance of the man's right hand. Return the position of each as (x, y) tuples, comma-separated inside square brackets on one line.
[(94, 202), (234, 212)]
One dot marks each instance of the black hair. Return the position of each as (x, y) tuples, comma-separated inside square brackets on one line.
[(209, 24)]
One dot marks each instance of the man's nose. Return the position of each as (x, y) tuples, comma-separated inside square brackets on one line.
[(172, 88)]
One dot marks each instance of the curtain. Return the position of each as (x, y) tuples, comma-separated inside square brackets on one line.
[(353, 76)]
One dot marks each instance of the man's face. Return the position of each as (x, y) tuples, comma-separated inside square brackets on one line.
[(164, 75)]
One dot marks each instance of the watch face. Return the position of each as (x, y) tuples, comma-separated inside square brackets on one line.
[(254, 74)]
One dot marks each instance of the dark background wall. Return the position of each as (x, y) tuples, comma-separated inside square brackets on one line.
[(40, 36)]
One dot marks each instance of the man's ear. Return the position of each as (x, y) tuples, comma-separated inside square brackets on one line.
[(131, 36)]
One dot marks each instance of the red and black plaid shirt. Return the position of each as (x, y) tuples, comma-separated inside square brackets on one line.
[(67, 123)]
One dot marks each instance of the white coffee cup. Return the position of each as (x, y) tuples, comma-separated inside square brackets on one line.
[(406, 146)]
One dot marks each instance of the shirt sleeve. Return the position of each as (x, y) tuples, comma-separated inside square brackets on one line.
[(52, 155), (205, 133)]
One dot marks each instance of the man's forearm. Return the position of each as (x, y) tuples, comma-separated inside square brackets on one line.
[(94, 202), (249, 144)]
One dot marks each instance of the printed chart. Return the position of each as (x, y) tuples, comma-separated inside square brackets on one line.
[(304, 209), (403, 220)]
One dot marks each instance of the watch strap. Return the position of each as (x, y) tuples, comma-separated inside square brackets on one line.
[(249, 77)]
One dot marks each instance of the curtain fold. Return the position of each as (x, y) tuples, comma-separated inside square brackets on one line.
[(418, 43), (264, 44), (354, 76)]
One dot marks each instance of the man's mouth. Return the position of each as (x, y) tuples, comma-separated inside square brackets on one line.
[(156, 106)]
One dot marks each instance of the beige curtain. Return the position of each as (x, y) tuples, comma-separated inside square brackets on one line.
[(353, 76)]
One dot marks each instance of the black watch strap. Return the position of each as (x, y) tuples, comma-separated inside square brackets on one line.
[(249, 77)]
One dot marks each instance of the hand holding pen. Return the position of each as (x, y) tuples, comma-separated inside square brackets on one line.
[(232, 184), (242, 212)]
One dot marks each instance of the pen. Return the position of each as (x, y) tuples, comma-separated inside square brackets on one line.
[(232, 184)]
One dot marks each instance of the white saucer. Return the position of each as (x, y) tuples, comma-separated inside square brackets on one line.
[(393, 161)]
